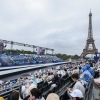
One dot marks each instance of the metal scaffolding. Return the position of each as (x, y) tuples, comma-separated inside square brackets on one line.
[(25, 45)]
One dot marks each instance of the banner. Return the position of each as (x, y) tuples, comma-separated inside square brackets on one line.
[(40, 51)]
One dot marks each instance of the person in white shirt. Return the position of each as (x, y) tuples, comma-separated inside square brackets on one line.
[(38, 79), (1, 82), (31, 86), (63, 72), (58, 67), (75, 70), (40, 72), (34, 94), (59, 71), (49, 77)]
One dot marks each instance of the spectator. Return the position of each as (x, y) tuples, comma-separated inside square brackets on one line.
[(77, 95), (23, 87), (31, 86), (38, 79), (54, 80), (14, 96), (59, 79), (86, 75), (45, 83), (80, 70), (1, 82), (75, 70), (52, 96), (91, 64), (1, 98), (63, 72), (89, 69), (49, 77), (35, 94), (77, 85)]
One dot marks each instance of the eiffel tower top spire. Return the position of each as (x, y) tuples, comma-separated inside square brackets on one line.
[(90, 14), (90, 32)]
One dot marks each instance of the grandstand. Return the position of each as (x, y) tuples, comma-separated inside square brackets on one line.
[(66, 71), (15, 60), (47, 73)]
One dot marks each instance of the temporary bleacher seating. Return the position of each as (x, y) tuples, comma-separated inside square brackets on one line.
[(16, 59), (6, 61)]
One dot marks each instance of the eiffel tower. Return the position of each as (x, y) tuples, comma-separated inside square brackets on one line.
[(90, 40)]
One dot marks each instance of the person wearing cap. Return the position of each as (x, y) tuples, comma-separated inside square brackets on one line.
[(77, 95), (52, 96), (1, 98)]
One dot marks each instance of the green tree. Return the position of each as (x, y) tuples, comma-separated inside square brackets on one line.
[(18, 51)]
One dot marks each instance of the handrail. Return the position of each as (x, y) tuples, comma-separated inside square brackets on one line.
[(8, 88)]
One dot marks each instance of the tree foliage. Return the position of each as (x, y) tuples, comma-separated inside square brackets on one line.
[(66, 57), (18, 51), (59, 55)]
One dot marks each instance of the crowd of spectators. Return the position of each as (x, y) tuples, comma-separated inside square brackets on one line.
[(81, 74)]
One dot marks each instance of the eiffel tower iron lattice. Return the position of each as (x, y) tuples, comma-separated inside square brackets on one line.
[(90, 40)]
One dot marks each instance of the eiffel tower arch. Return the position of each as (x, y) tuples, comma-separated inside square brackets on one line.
[(90, 40)]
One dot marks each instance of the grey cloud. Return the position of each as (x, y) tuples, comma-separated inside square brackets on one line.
[(58, 24)]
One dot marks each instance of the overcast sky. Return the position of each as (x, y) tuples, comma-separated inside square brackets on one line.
[(61, 25)]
